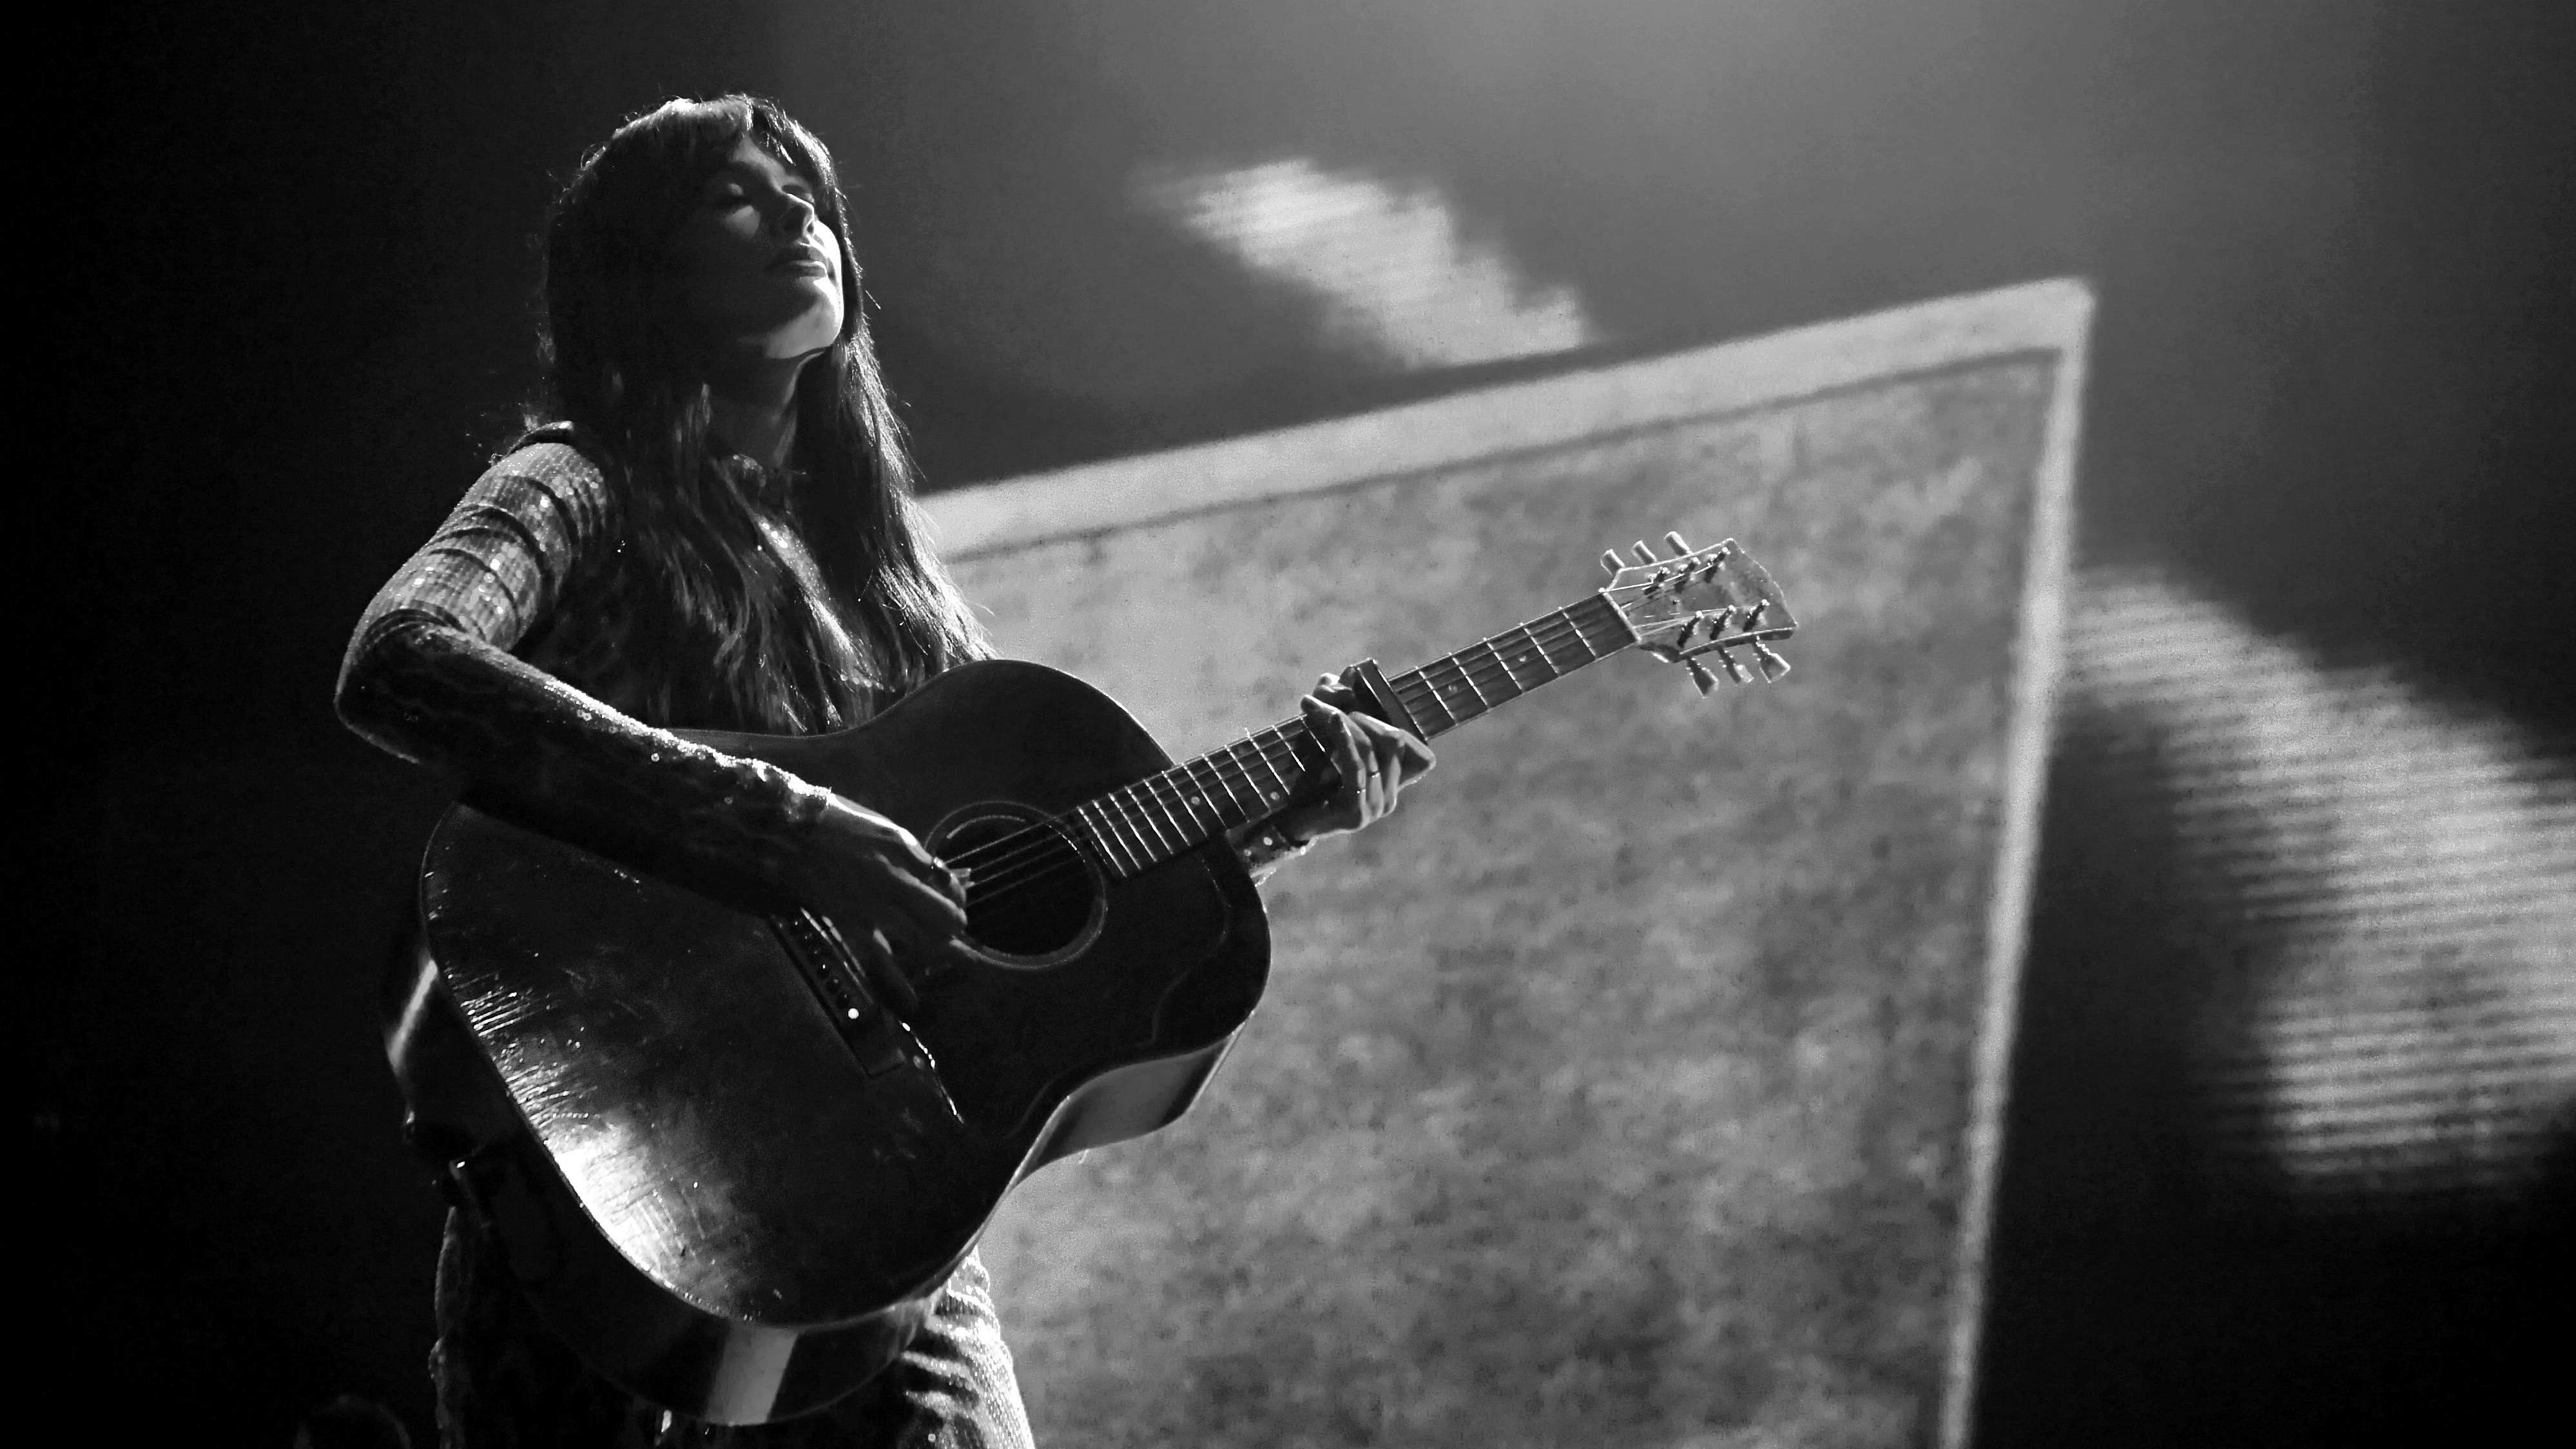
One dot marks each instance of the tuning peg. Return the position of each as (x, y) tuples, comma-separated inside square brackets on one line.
[(1773, 666), (1682, 639), (1610, 561), (1644, 554), (1753, 616), (1734, 672), (1700, 676), (1680, 549)]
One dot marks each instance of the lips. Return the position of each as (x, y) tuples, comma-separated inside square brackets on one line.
[(802, 261)]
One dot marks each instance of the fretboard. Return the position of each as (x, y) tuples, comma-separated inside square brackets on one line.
[(1144, 824)]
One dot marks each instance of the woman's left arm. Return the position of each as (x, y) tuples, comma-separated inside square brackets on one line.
[(1375, 760)]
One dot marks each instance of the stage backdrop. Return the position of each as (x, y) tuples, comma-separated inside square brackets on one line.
[(1638, 1081)]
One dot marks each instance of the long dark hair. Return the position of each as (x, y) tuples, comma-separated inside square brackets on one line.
[(618, 366)]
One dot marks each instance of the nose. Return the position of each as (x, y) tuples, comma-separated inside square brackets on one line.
[(794, 218)]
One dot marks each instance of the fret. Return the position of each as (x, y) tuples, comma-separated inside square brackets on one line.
[(1469, 680), (1621, 634), (1280, 787), (1430, 695), (1303, 740), (1209, 770), (1534, 655), (1547, 648), (1130, 843), (1528, 663), (1229, 808), (1262, 753), (1173, 800), (1575, 636), (1091, 832), (1170, 835), (1158, 847), (1177, 822), (1305, 752), (1538, 646), (1271, 793), (1132, 814), (1561, 627), (1090, 829), (1192, 799), (1218, 769), (1202, 798)]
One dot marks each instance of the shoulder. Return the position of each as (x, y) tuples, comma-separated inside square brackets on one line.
[(553, 470)]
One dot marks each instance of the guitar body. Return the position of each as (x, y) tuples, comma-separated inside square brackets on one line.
[(711, 1188)]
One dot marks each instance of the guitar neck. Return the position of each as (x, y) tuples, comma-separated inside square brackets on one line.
[(1138, 826)]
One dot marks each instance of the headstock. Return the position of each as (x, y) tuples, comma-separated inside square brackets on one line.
[(1701, 602)]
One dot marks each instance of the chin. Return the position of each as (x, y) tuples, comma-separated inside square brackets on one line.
[(808, 331), (824, 332)]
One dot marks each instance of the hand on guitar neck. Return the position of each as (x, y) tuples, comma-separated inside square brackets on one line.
[(1376, 760)]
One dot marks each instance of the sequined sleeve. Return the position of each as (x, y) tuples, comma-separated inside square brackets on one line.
[(430, 677)]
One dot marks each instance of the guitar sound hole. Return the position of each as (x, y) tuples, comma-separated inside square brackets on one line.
[(1033, 895)]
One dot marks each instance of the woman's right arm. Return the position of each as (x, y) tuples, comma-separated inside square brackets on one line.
[(430, 677)]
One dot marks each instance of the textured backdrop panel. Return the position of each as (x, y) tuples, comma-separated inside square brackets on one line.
[(1633, 1083)]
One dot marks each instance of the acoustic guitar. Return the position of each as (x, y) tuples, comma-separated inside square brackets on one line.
[(733, 1177)]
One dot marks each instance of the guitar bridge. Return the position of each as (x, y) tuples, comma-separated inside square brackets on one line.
[(875, 1036)]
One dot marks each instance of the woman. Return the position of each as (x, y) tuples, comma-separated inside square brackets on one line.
[(713, 529)]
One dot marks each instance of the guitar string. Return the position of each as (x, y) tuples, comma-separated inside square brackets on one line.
[(1173, 788), (1049, 847), (1168, 793), (1173, 792), (1154, 816), (1047, 852), (1044, 850)]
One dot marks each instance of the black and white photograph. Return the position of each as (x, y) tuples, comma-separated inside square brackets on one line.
[(818, 724)]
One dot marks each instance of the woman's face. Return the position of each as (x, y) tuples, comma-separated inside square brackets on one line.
[(754, 267)]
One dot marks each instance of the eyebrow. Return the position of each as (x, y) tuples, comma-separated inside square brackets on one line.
[(795, 178)]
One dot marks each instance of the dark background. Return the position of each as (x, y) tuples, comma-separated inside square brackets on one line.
[(2329, 241)]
